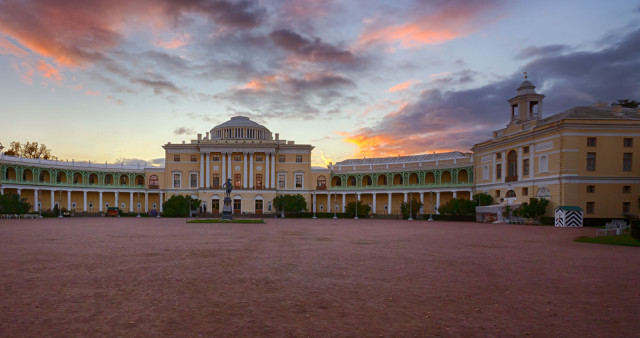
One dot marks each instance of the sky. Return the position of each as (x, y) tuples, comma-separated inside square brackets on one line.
[(114, 80)]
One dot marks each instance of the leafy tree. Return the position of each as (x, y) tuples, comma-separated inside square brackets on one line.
[(413, 206), (535, 208), (178, 206), (457, 206), (482, 199), (627, 103), (363, 209), (30, 150), (290, 203), (13, 204)]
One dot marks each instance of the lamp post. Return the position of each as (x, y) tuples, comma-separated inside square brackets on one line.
[(410, 209), (335, 216), (430, 205)]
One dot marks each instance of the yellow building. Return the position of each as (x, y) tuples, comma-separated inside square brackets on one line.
[(586, 156)]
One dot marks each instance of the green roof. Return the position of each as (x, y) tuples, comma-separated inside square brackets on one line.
[(569, 208)]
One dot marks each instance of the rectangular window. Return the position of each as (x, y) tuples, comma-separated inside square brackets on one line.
[(498, 170), (591, 208), (498, 193), (176, 158), (298, 181), (216, 157), (591, 188), (237, 157), (282, 181), (281, 158), (237, 181), (216, 181), (194, 158), (176, 180), (525, 150), (259, 158), (215, 205), (591, 141), (259, 205), (626, 207), (193, 178), (237, 206), (626, 162), (627, 142), (498, 156), (525, 191), (525, 167), (107, 179), (258, 181), (298, 158), (626, 189), (591, 161)]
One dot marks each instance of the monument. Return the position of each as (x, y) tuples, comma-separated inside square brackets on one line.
[(227, 213)]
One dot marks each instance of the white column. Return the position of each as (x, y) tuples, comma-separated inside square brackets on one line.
[(19, 192), (504, 166), (344, 201), (207, 169), (251, 174), (422, 202), (519, 163), (146, 202), (84, 201), (493, 172), (224, 170), (405, 197), (532, 159), (358, 196), (471, 195), (373, 197), (1, 191), (35, 200), (455, 194), (161, 200), (244, 171), (202, 174), (389, 204), (314, 202), (116, 197), (437, 202), (69, 200), (229, 175), (266, 172), (100, 203), (52, 198), (273, 171), (130, 202)]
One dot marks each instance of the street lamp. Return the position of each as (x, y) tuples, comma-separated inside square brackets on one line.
[(410, 205), (430, 205)]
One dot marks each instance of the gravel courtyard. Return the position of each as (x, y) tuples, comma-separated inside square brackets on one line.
[(303, 277)]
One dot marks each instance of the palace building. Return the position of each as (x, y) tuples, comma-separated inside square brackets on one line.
[(585, 156)]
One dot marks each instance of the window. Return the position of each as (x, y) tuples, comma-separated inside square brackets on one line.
[(525, 149), (215, 205), (258, 181), (176, 180), (237, 181), (193, 178), (485, 172), (591, 207), (626, 207), (525, 191), (194, 158), (627, 142), (58, 178), (281, 158), (282, 181), (544, 164), (512, 160), (107, 179), (176, 158), (626, 189), (498, 156), (237, 157), (259, 158), (123, 180), (510, 194), (525, 167), (498, 171), (591, 161), (298, 158), (153, 180), (91, 179), (258, 205), (299, 181), (215, 157), (591, 141), (591, 188), (352, 180), (216, 181), (498, 193), (237, 205), (626, 162), (322, 182)]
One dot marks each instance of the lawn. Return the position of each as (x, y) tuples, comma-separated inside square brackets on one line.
[(625, 240)]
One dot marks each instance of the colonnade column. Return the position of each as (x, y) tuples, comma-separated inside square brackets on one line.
[(374, 202), (437, 202), (19, 192), (161, 200), (251, 174), (202, 174), (116, 197), (266, 171), (471, 195), (53, 192), (344, 200), (314, 202), (69, 200), (99, 205), (229, 167), (146, 202), (273, 171), (493, 170), (130, 201), (244, 171), (35, 200), (1, 191), (389, 204), (207, 169), (532, 159), (422, 202), (224, 168), (405, 197), (84, 201), (504, 165), (455, 194), (519, 173)]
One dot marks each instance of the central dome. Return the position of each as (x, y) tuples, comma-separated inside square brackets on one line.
[(240, 128)]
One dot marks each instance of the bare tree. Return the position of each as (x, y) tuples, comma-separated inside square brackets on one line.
[(30, 150)]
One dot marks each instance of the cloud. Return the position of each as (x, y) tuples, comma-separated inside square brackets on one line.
[(178, 41), (48, 71), (456, 119), (184, 131), (157, 162), (533, 51), (402, 86), (312, 50), (6, 47), (92, 93), (159, 86)]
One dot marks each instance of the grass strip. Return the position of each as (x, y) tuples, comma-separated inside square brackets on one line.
[(245, 221), (625, 240)]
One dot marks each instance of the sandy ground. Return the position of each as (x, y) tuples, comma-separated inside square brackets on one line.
[(293, 277)]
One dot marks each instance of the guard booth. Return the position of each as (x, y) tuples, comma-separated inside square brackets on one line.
[(568, 216)]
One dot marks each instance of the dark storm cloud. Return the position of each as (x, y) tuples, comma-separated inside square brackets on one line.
[(313, 50), (238, 14)]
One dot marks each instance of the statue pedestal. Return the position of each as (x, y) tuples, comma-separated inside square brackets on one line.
[(227, 213)]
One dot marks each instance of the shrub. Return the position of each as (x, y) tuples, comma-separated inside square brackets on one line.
[(635, 229), (482, 199), (290, 203), (458, 207), (414, 207), (13, 204), (535, 208), (178, 206), (363, 209)]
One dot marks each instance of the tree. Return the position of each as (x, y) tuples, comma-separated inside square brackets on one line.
[(414, 207), (290, 203), (482, 199), (363, 209), (30, 150), (626, 103), (458, 207), (535, 208), (178, 206), (13, 204)]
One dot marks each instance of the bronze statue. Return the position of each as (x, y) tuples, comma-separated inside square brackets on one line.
[(228, 186)]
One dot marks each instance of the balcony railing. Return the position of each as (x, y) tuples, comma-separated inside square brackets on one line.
[(511, 178)]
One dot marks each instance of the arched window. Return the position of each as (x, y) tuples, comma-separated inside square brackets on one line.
[(510, 194), (153, 180), (382, 180), (512, 160), (322, 182)]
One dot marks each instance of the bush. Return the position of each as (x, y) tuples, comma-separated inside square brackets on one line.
[(363, 209), (458, 207), (290, 203), (535, 208), (413, 206), (635, 229), (178, 206), (482, 199), (13, 204)]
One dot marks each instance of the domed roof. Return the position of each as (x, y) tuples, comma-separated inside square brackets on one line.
[(239, 121), (240, 127), (526, 87)]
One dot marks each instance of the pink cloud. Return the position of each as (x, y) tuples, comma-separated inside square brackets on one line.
[(92, 93), (8, 48), (48, 71), (175, 43), (403, 86)]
